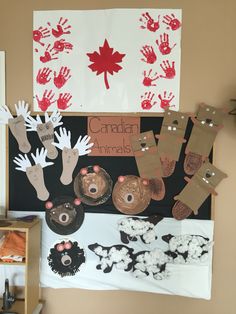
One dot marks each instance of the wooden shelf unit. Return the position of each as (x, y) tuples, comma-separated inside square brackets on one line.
[(31, 264)]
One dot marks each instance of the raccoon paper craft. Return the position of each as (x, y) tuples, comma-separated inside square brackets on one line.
[(198, 188), (148, 162), (170, 140), (207, 124)]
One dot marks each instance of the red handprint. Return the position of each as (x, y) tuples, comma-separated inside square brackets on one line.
[(149, 22), (62, 77), (146, 103), (172, 22), (165, 101), (42, 76), (40, 33), (148, 79), (46, 101), (149, 54), (62, 101), (61, 45), (47, 55), (164, 45), (168, 69), (61, 28)]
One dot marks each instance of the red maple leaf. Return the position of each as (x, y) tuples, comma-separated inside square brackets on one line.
[(106, 61)]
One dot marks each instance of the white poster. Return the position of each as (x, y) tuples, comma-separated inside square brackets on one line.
[(116, 60)]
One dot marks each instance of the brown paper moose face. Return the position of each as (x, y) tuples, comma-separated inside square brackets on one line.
[(210, 117), (46, 135), (174, 123), (93, 185), (131, 195)]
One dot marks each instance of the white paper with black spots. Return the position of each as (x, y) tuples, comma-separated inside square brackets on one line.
[(191, 280)]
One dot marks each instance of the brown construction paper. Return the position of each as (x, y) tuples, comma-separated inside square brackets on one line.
[(131, 195), (46, 135), (200, 186), (207, 124), (111, 135), (36, 178), (157, 188), (69, 161), (172, 134), (18, 130), (147, 158)]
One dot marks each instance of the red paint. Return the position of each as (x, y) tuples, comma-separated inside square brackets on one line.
[(164, 45), (165, 101), (168, 69), (61, 28), (106, 61), (172, 22), (46, 101), (149, 78), (149, 54), (62, 45), (62, 101), (43, 76), (149, 22), (48, 56), (62, 77), (39, 34), (146, 103)]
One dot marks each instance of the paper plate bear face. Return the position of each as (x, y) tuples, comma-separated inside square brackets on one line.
[(65, 258), (93, 185), (209, 116), (64, 215), (131, 194), (174, 123)]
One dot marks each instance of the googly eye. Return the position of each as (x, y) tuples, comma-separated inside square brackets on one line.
[(63, 217), (129, 198)]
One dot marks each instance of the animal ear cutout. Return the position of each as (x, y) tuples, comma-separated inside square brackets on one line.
[(171, 139), (199, 187), (49, 205), (208, 122), (93, 185), (130, 196)]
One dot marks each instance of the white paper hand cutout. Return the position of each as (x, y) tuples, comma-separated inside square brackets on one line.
[(22, 109), (83, 145), (31, 123), (55, 118), (5, 115), (40, 158), (64, 139), (23, 162)]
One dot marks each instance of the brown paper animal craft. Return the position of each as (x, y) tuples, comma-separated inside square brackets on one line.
[(70, 155), (131, 194), (170, 140), (207, 124), (148, 162), (35, 173), (45, 130), (17, 125), (198, 188)]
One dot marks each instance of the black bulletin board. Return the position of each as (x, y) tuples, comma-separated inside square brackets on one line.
[(22, 196)]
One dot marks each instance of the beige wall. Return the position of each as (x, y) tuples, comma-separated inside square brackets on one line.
[(209, 75)]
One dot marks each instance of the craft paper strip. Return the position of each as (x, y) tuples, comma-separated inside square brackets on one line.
[(111, 135), (116, 60)]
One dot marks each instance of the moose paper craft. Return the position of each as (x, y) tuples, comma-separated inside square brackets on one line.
[(35, 173), (198, 188), (170, 140), (207, 124), (70, 155), (17, 124), (45, 130), (148, 162)]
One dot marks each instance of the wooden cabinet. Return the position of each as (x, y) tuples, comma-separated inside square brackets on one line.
[(32, 231)]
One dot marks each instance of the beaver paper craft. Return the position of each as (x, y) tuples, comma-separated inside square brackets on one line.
[(148, 162), (199, 187), (170, 140), (207, 124)]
